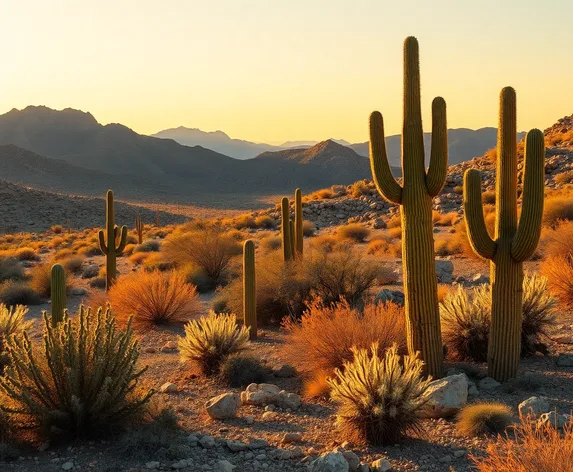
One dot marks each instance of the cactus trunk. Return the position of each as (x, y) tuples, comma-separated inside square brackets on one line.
[(286, 230), (139, 229), (415, 197), (299, 241), (112, 242), (249, 289), (57, 293), (514, 240)]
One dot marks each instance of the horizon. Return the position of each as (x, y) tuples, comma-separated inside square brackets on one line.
[(316, 74)]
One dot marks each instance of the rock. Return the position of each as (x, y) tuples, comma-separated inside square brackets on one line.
[(78, 291), (379, 223), (444, 271), (270, 416), (207, 441), (460, 453), (169, 346), (168, 387), (386, 295), (329, 462), (480, 279), (352, 459), (446, 396), (224, 406), (554, 419), (260, 394), (288, 400), (534, 406), (285, 371), (223, 466), (236, 446), (291, 437), (565, 360), (488, 384), (68, 465), (472, 390), (250, 419), (258, 444), (152, 465), (381, 465), (363, 468)]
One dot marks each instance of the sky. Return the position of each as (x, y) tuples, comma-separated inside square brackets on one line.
[(277, 70)]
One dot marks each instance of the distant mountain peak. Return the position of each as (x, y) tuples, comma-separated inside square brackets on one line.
[(44, 113)]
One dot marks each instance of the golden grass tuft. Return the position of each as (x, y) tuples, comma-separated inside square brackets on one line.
[(484, 418), (557, 208), (354, 232), (316, 386), (559, 273), (154, 298)]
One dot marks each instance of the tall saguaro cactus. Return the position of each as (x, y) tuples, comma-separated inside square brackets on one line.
[(286, 230), (514, 240), (298, 233), (139, 228), (415, 200), (249, 288), (57, 293), (108, 242)]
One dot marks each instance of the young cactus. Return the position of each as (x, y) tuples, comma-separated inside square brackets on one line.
[(415, 199), (249, 289), (57, 293), (108, 244), (514, 241), (286, 230), (139, 228), (298, 233)]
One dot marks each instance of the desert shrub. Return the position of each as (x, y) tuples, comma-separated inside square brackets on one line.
[(458, 189), (154, 298), (10, 269), (157, 261), (488, 197), (26, 254), (43, 387), (138, 258), (559, 273), (12, 323), (354, 231), (151, 245), (534, 447), (265, 222), (57, 229), (128, 249), (211, 339), (564, 178), (445, 219), (90, 250), (380, 399), (41, 279), (196, 276), (326, 242), (448, 246), (211, 249), (359, 188), (271, 243), (559, 241), (308, 229), (19, 293), (538, 314), (395, 233), (484, 418), (324, 194), (394, 222), (244, 222), (556, 209), (316, 386), (73, 265), (240, 370), (63, 254), (322, 340), (443, 291)]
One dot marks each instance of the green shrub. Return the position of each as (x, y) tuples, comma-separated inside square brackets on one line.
[(211, 339), (241, 370), (379, 399), (484, 418), (81, 381)]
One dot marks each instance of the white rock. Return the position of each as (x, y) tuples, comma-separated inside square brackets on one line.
[(381, 465), (329, 462), (236, 446), (224, 466), (446, 396), (554, 419), (534, 406), (288, 400), (291, 437), (68, 465), (352, 459), (168, 387), (223, 406), (207, 441), (260, 394)]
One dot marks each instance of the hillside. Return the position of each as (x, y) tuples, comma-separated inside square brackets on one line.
[(30, 210)]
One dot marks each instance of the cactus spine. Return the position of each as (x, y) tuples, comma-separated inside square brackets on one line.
[(108, 242), (139, 229), (514, 241), (249, 288), (298, 234), (57, 293), (286, 230), (415, 197)]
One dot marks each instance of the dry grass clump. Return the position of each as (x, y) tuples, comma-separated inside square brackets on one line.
[(359, 188), (380, 399), (240, 370), (10, 269), (448, 246), (322, 340), (18, 293), (484, 418), (41, 280), (244, 222), (559, 241), (488, 197), (73, 265), (211, 339), (557, 208), (394, 222), (26, 254), (12, 323), (151, 245), (445, 219), (564, 178), (559, 273), (539, 448), (308, 229), (354, 232), (90, 389), (538, 314), (138, 258), (265, 222), (154, 298), (323, 194), (271, 243)]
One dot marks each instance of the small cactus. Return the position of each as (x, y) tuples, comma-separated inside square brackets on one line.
[(57, 293), (249, 289), (298, 229), (286, 230), (139, 228), (109, 244)]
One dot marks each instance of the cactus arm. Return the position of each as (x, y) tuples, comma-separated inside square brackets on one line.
[(436, 175), (381, 172), (478, 236), (122, 241), (57, 293), (529, 230), (102, 245)]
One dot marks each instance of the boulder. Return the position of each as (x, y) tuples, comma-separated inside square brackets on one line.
[(446, 396), (329, 462), (534, 406), (260, 394), (445, 271), (224, 406)]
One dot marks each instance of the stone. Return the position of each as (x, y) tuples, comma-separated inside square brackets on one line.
[(329, 462), (168, 387), (446, 396), (480, 279), (291, 437), (288, 400), (236, 446), (78, 291), (488, 384), (444, 271), (381, 465), (224, 406), (387, 295), (554, 419), (352, 459), (224, 466), (169, 346), (260, 394), (258, 444), (152, 465), (379, 223), (270, 416), (250, 419), (68, 465), (534, 406), (207, 441), (565, 360), (285, 372)]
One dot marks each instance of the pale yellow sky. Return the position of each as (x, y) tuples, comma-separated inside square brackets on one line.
[(284, 70)]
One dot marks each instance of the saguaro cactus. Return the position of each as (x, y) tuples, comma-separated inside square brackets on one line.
[(249, 288), (286, 230), (139, 228), (513, 241), (57, 293), (415, 200), (298, 233), (109, 244)]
